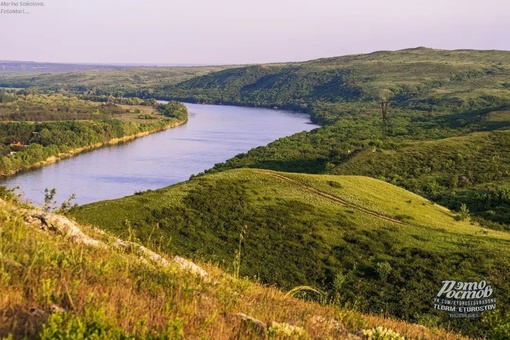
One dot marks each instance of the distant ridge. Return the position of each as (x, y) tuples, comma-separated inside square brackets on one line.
[(21, 67), (24, 67)]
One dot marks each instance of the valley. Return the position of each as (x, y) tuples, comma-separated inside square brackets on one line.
[(404, 186)]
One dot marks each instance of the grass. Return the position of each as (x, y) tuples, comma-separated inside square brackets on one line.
[(322, 227), (54, 288), (452, 171), (392, 201)]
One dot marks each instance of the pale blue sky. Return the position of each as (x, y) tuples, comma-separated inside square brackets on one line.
[(237, 31)]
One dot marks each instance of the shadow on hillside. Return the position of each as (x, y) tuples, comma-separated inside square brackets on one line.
[(475, 117)]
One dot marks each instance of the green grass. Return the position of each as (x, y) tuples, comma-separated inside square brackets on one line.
[(320, 227), (470, 169), (54, 287)]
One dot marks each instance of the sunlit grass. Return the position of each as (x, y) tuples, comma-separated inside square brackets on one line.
[(114, 293)]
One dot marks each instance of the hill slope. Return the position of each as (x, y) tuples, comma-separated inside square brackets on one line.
[(432, 95), (60, 280), (373, 245), (472, 169), (418, 78)]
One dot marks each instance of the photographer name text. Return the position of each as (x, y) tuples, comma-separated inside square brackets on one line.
[(18, 7)]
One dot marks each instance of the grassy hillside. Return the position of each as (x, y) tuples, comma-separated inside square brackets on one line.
[(472, 169), (369, 244), (432, 95), (63, 281), (469, 168)]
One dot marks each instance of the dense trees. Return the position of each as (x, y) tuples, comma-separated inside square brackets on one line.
[(174, 110)]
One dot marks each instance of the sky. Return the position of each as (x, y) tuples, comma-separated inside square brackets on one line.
[(242, 31)]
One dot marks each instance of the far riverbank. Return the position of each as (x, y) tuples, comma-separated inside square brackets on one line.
[(76, 151)]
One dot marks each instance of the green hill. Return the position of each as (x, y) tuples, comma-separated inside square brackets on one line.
[(472, 169), (421, 78), (444, 97), (368, 243), (60, 280)]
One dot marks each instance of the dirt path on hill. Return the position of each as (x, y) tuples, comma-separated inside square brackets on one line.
[(329, 196)]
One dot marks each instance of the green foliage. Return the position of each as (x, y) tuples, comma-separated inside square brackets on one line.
[(50, 204), (175, 110), (279, 330), (56, 107), (383, 269), (9, 194), (49, 199), (499, 325), (290, 87), (463, 212), (95, 325), (68, 326), (381, 333)]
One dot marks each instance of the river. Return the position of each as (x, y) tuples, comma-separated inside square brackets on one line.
[(213, 134)]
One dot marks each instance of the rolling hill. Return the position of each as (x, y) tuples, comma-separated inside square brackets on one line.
[(60, 280), (441, 99), (419, 79), (371, 244)]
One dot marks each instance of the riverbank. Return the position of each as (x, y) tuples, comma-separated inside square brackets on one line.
[(212, 134), (74, 152)]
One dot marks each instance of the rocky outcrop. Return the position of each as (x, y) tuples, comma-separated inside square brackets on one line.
[(61, 225)]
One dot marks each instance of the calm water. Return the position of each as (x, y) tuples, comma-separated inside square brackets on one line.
[(213, 134)]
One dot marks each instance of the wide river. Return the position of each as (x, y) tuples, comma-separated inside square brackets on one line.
[(213, 134)]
